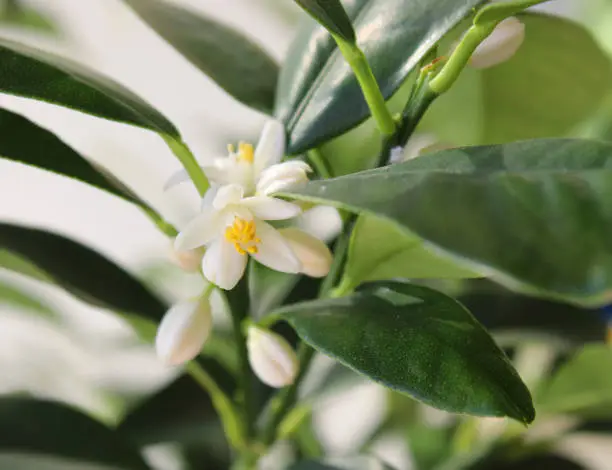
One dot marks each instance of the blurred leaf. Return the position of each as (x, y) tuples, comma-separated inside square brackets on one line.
[(81, 271), (526, 97), (52, 429), (181, 412), (500, 11), (534, 215), (268, 288), (583, 385), (344, 463), (14, 13), (33, 73), (530, 462), (380, 249), (417, 341), (234, 62), (21, 298), (25, 142), (330, 14), (318, 96)]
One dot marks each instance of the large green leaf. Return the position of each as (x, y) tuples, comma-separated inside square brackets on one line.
[(380, 249), (25, 142), (583, 385), (80, 270), (318, 96), (33, 73), (527, 97), (37, 427), (233, 61), (417, 341), (331, 14), (536, 215)]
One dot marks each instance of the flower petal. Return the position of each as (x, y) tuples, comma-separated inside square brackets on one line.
[(282, 176), (223, 265), (314, 255), (270, 208), (176, 178), (322, 222), (273, 251), (200, 231), (271, 146), (501, 45), (226, 195)]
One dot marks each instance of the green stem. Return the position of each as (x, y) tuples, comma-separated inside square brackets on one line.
[(318, 162), (193, 169), (369, 86), (164, 226)]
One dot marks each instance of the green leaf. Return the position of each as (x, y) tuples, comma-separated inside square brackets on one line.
[(344, 463), (16, 14), (268, 288), (318, 96), (583, 385), (239, 66), (45, 428), (181, 412), (25, 142), (331, 14), (417, 341), (526, 97), (21, 298), (80, 270), (535, 215), (380, 249), (499, 11), (33, 73)]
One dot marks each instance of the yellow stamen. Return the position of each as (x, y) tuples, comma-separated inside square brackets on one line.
[(243, 235), (246, 153)]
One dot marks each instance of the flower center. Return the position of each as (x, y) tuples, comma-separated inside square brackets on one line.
[(245, 153), (242, 233)]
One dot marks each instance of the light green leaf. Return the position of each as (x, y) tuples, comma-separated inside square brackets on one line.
[(234, 62), (21, 298), (535, 215), (331, 14), (417, 341), (318, 96), (33, 73)]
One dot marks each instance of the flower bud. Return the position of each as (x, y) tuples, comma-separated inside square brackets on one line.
[(271, 357), (187, 260), (501, 45), (183, 331), (314, 255), (283, 176)]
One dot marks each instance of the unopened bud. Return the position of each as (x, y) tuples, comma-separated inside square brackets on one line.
[(183, 331), (271, 357), (501, 45), (314, 255)]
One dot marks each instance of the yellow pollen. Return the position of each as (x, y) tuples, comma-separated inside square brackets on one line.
[(242, 234), (245, 152)]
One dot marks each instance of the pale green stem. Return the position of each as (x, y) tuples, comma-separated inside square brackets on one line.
[(164, 226), (318, 162), (193, 169), (369, 86)]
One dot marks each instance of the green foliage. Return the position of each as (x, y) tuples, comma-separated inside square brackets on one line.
[(345, 463), (331, 14)]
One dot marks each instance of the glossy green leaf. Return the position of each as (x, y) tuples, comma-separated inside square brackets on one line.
[(380, 249), (27, 143), (45, 428), (501, 10), (535, 215), (318, 96), (22, 299), (583, 385), (238, 65), (417, 341), (343, 463), (80, 270), (33, 73), (181, 412), (331, 14), (526, 97)]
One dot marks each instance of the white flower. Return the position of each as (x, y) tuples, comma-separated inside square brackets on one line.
[(501, 45), (184, 330), (314, 255), (271, 357), (258, 170), (187, 260), (232, 227)]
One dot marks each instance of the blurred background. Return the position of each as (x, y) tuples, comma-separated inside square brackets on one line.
[(54, 346)]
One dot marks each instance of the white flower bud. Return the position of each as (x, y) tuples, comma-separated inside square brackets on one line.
[(187, 260), (314, 255), (283, 176), (501, 45), (183, 331), (271, 357)]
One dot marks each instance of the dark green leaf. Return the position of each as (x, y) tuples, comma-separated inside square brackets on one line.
[(344, 463), (33, 73), (27, 143), (318, 96), (81, 271), (180, 412), (417, 341), (536, 215), (52, 429), (331, 14), (234, 62)]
